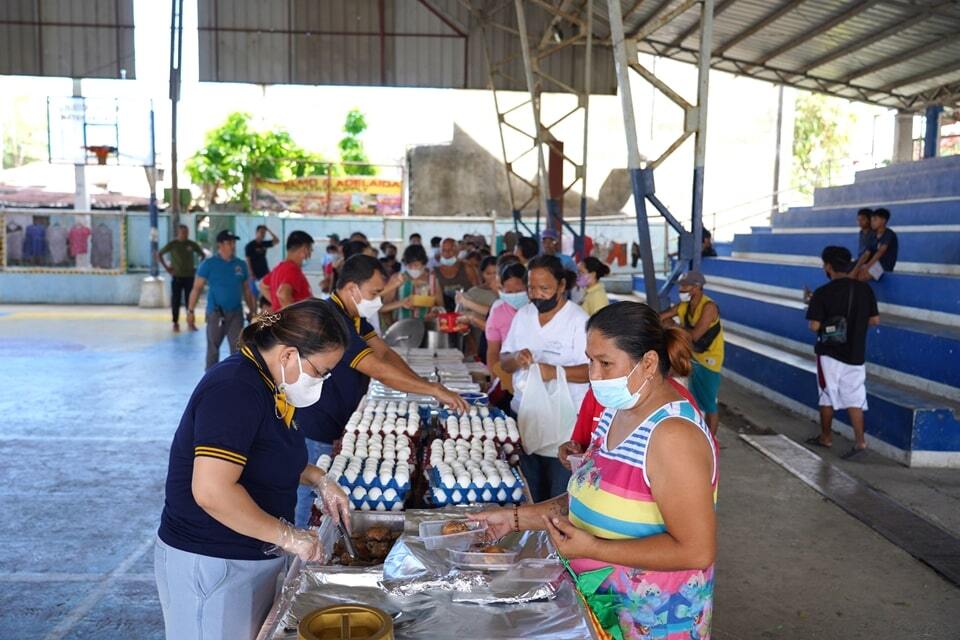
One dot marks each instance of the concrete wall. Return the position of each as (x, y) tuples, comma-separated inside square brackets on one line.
[(62, 288), (462, 177)]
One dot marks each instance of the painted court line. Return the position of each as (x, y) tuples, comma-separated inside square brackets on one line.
[(34, 577), (52, 438), (928, 543), (97, 593)]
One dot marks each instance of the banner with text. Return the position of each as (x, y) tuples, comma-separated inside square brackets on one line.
[(320, 195)]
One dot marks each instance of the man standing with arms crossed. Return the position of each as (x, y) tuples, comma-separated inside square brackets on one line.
[(182, 270), (227, 276)]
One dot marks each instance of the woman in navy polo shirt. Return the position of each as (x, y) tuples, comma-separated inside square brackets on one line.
[(235, 464)]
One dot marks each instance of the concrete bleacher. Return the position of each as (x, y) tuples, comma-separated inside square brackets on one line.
[(913, 381)]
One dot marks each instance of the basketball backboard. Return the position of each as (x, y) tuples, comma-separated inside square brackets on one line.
[(100, 131)]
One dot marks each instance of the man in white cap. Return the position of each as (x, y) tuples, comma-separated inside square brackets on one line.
[(700, 317)]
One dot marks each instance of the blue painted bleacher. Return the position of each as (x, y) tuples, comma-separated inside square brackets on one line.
[(942, 247), (913, 380)]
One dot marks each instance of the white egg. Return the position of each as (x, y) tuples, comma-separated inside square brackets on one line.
[(471, 496), (350, 475), (484, 411), (374, 494), (463, 480), (390, 494), (517, 494), (359, 493), (509, 481), (448, 481), (486, 495), (456, 496), (369, 477), (402, 478), (501, 495), (381, 506), (412, 429), (398, 506), (493, 479), (439, 495), (364, 506), (385, 478), (334, 475)]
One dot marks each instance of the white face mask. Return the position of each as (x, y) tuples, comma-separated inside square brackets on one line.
[(684, 296), (303, 392), (368, 308), (414, 273), (448, 262), (614, 393)]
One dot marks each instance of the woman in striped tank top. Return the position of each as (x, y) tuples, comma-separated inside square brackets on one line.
[(640, 510)]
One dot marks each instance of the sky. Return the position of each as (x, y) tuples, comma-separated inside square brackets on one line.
[(740, 140)]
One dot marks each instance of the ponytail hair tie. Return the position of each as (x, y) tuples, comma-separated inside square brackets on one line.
[(269, 320)]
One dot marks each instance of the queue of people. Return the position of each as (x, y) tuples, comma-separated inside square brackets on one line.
[(619, 459)]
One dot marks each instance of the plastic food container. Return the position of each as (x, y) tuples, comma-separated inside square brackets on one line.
[(483, 561), (346, 622), (430, 533)]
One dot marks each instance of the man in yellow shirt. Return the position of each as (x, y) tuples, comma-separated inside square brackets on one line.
[(700, 317)]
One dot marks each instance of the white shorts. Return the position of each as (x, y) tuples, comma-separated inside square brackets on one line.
[(876, 271), (841, 385)]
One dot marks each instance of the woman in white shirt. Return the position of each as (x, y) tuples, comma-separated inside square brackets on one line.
[(550, 332)]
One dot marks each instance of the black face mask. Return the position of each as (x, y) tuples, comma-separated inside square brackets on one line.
[(545, 305)]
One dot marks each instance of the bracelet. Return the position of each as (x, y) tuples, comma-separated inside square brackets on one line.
[(516, 518)]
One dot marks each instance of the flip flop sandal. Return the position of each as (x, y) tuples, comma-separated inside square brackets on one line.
[(853, 454), (815, 442)]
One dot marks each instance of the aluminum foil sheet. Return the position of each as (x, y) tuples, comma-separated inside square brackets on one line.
[(429, 614), (430, 598)]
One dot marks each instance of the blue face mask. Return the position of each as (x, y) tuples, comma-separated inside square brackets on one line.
[(515, 300), (614, 392)]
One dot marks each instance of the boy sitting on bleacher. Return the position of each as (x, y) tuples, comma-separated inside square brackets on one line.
[(881, 254)]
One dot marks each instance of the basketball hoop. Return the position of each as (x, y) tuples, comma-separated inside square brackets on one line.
[(102, 152)]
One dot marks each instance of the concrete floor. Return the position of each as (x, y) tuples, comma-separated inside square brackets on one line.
[(93, 395)]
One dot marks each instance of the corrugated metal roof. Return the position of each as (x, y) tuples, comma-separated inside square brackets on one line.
[(898, 53), (420, 43), (67, 38)]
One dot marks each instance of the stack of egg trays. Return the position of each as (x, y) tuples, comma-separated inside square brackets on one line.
[(376, 505), (501, 495)]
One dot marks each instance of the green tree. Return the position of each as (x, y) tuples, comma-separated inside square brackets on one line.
[(234, 154), (24, 132), (820, 138), (351, 147)]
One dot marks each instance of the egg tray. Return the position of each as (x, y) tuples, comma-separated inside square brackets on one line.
[(365, 504), (412, 461), (494, 413), (512, 457), (501, 495)]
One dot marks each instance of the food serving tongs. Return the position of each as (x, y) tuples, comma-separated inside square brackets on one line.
[(347, 541)]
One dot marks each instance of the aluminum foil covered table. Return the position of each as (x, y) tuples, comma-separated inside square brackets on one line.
[(429, 598)]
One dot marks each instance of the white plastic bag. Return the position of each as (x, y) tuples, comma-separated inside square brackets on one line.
[(547, 415)]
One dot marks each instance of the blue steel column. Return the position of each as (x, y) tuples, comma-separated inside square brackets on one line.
[(621, 63), (700, 148), (154, 217), (931, 138)]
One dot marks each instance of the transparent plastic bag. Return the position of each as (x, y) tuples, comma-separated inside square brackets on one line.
[(547, 415)]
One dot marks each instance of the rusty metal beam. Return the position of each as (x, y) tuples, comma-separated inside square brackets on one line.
[(758, 26), (719, 8), (852, 11), (895, 59), (662, 18)]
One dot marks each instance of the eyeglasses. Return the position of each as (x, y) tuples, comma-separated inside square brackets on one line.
[(323, 376)]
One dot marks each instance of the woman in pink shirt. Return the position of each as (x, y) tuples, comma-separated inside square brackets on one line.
[(513, 295)]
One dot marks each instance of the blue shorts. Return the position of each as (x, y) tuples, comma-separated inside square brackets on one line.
[(704, 385)]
